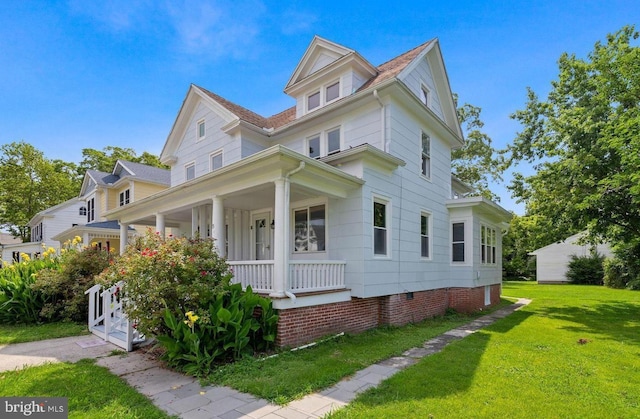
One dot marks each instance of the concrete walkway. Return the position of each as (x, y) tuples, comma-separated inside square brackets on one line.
[(183, 396)]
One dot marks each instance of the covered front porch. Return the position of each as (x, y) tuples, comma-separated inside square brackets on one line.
[(267, 214)]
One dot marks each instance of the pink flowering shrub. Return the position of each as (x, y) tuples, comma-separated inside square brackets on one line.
[(177, 274)]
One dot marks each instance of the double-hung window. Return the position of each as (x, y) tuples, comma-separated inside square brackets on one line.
[(488, 242), (332, 92), (426, 155), (216, 160), (190, 171), (313, 101), (457, 242), (324, 95), (201, 129), (310, 229), (324, 143), (124, 197), (425, 251), (91, 210), (380, 227)]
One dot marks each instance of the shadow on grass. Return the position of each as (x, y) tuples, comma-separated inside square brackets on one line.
[(448, 372), (615, 320)]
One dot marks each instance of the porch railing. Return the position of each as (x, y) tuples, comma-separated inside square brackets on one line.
[(305, 276), (257, 273)]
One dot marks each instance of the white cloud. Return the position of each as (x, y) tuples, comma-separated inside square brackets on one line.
[(115, 15), (215, 28)]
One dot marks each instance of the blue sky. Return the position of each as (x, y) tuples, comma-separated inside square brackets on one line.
[(77, 74)]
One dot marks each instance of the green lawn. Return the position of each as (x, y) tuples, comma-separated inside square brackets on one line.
[(574, 352), (292, 375), (93, 392), (28, 333)]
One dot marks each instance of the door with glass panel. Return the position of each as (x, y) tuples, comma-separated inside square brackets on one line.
[(261, 232)]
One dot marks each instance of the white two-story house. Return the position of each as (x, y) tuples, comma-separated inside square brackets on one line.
[(341, 208), (44, 226)]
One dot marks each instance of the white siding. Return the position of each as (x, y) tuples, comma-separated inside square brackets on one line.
[(422, 75)]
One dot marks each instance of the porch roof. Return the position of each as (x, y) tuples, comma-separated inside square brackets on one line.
[(105, 229), (242, 183)]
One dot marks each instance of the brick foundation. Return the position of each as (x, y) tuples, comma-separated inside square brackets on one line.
[(302, 325)]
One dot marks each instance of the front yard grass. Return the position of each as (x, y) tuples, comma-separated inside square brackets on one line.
[(573, 352), (92, 391), (291, 375), (28, 333)]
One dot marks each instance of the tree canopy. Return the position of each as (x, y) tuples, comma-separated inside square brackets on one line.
[(30, 183), (477, 163), (104, 160), (584, 142)]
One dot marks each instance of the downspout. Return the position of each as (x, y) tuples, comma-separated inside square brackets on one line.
[(287, 193), (383, 124)]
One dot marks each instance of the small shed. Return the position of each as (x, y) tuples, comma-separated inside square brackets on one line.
[(552, 261)]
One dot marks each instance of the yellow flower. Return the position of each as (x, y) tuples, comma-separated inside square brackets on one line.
[(51, 250), (78, 239), (63, 251), (25, 257), (192, 319), (94, 244), (44, 246)]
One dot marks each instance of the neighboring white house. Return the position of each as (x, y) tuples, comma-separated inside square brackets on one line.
[(44, 226), (552, 261), (341, 208)]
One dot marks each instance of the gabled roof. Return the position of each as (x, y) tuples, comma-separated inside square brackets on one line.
[(51, 210), (125, 169), (231, 111)]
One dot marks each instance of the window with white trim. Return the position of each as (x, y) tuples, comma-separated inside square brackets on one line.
[(82, 211), (324, 143), (313, 101), (309, 229), (425, 166), (216, 160), (332, 92), (457, 242), (201, 129), (425, 229), (190, 171), (125, 197), (380, 227), (488, 240), (425, 95), (91, 210)]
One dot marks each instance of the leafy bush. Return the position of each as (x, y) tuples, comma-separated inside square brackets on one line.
[(63, 286), (19, 302), (228, 329), (177, 273), (616, 274), (586, 269)]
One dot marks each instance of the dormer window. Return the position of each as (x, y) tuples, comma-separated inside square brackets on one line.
[(333, 92), (201, 129), (327, 94), (313, 101)]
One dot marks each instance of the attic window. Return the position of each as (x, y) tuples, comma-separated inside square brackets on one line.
[(425, 95), (201, 129), (333, 92), (313, 101)]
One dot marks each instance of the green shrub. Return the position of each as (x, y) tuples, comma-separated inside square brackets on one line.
[(586, 269), (228, 329), (616, 274), (177, 273), (19, 302), (63, 286)]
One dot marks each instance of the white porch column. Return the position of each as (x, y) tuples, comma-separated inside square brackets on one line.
[(280, 242), (124, 237), (202, 216), (217, 225), (160, 224), (194, 222)]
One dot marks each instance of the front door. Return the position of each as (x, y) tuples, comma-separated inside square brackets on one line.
[(261, 226)]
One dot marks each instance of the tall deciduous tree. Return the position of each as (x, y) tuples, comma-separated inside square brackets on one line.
[(104, 160), (30, 183), (477, 163), (584, 140)]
